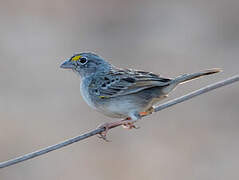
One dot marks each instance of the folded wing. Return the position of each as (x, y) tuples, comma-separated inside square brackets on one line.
[(119, 82)]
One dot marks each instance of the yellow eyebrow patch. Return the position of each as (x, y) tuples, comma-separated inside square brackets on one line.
[(76, 58)]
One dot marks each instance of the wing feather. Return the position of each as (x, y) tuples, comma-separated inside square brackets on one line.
[(120, 82)]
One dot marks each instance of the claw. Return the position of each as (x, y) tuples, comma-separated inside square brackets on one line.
[(103, 134), (130, 125)]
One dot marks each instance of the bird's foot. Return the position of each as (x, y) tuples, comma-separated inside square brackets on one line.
[(128, 124), (103, 134), (108, 126)]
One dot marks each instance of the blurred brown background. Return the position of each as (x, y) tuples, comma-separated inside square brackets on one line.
[(41, 105)]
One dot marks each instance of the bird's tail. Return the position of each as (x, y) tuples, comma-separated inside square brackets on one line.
[(188, 77)]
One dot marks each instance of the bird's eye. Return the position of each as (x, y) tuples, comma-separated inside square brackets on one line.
[(83, 60)]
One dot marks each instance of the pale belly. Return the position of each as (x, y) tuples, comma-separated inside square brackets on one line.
[(119, 107), (112, 107)]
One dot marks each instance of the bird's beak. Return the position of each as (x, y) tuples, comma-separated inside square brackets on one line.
[(67, 65)]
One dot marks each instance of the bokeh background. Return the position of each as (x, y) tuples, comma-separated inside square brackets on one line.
[(40, 104)]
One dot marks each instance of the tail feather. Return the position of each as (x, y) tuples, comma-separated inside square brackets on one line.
[(188, 77)]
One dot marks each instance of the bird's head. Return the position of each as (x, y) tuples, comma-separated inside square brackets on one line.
[(86, 64)]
